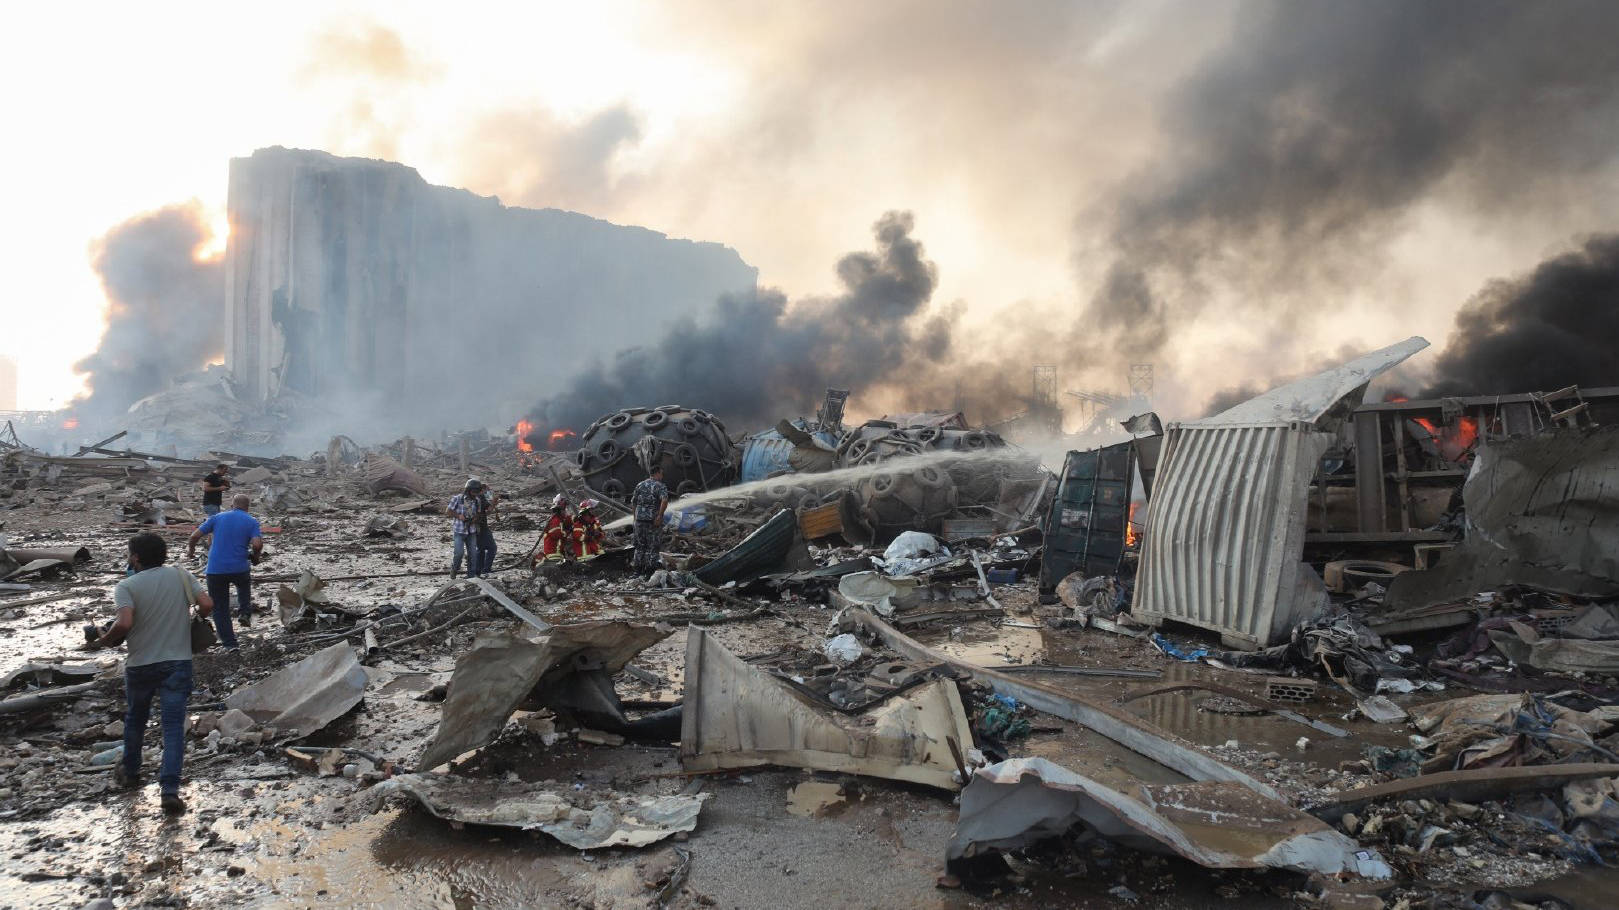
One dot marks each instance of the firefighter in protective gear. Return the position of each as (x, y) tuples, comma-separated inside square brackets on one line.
[(588, 535), (558, 543)]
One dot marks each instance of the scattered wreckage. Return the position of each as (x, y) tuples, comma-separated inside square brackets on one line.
[(839, 601)]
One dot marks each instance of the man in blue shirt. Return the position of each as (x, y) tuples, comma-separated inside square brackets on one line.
[(236, 547)]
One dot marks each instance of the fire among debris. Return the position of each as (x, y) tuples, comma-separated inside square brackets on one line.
[(524, 428), (1453, 441)]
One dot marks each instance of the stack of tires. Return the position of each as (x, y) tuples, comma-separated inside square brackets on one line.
[(691, 444), (906, 497), (878, 441)]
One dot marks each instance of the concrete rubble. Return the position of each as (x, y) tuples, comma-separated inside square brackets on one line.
[(903, 651)]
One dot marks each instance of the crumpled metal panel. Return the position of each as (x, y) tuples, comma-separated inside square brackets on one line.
[(738, 716), (582, 821), (1542, 511), (1217, 824), (1310, 399), (306, 696), (1227, 524)]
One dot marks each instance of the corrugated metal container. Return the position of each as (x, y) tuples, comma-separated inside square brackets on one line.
[(1085, 528), (1227, 522), (767, 454)]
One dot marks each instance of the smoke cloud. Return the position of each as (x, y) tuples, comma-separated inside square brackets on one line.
[(755, 359), (1556, 326), (164, 307), (1294, 154), (532, 158)]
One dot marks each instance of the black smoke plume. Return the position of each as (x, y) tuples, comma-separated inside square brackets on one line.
[(1556, 326), (1293, 153), (165, 308), (755, 359)]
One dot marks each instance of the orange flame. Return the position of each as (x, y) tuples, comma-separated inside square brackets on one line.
[(71, 423), (560, 439), (1131, 535), (523, 429), (1466, 432)]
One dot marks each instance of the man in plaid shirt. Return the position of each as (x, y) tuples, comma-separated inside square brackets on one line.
[(465, 507)]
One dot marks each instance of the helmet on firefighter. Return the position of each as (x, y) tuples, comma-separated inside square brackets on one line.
[(587, 504), (558, 502)]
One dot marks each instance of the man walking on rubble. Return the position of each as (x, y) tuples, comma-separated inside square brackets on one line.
[(471, 510), (214, 487), (154, 606), (649, 500), (463, 509), (237, 545)]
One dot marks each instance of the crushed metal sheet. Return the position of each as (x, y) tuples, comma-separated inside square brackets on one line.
[(296, 602), (1228, 511), (1541, 511), (1121, 726), (306, 696), (620, 820), (1522, 644), (737, 716), (501, 669), (1217, 824), (1310, 399)]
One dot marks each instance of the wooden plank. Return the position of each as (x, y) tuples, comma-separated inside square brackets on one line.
[(1369, 472), (96, 445), (1467, 786), (1403, 485), (43, 599), (823, 521)]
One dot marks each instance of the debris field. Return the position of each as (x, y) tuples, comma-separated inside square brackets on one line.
[(899, 664)]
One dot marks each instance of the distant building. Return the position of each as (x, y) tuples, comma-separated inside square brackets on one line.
[(8, 383), (351, 275)]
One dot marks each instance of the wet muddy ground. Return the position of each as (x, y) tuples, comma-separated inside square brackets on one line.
[(262, 832)]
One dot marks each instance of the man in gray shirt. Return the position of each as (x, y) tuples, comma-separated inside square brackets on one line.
[(154, 616)]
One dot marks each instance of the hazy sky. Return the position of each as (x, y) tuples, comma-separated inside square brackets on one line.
[(1015, 132)]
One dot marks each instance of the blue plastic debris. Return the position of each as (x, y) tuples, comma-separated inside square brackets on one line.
[(1173, 650)]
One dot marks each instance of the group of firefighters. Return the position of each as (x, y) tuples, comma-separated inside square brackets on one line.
[(572, 535)]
